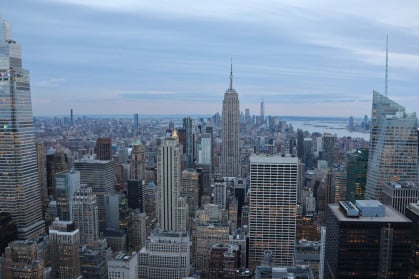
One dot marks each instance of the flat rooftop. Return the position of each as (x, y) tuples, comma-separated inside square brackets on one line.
[(275, 159), (391, 215)]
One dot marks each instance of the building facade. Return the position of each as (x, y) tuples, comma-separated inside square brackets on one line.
[(85, 215), (100, 176), (64, 250), (66, 183), (366, 240), (273, 209), (104, 149), (19, 184), (393, 152), (230, 163), (168, 186)]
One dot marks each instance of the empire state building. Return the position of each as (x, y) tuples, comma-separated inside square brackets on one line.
[(19, 185), (231, 132)]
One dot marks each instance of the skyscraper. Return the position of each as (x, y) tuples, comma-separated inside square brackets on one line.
[(67, 182), (64, 250), (393, 146), (273, 208), (262, 112), (366, 240), (168, 186), (329, 141), (100, 175), (137, 163), (357, 162), (188, 126), (167, 250), (231, 132), (19, 182), (104, 148), (135, 127), (56, 161), (85, 215)]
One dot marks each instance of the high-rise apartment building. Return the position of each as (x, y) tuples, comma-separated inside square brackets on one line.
[(85, 215), (273, 208), (393, 152), (104, 148), (230, 164), (100, 175), (19, 182), (366, 240), (64, 250)]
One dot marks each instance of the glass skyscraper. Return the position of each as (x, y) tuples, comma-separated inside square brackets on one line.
[(393, 146), (19, 183)]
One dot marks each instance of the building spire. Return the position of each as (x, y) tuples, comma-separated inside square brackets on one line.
[(231, 75), (386, 81)]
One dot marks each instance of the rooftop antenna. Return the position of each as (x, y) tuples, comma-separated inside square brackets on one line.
[(386, 82), (231, 74)]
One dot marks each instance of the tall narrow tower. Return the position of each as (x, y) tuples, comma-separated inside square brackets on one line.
[(188, 126), (231, 132), (170, 214), (19, 182)]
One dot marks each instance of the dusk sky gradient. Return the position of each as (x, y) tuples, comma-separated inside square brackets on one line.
[(302, 57)]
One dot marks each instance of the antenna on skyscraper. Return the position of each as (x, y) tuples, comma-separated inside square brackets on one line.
[(231, 73), (386, 82)]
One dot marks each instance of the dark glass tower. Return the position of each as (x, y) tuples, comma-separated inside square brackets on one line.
[(19, 184)]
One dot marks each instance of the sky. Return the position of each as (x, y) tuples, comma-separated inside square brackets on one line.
[(301, 57)]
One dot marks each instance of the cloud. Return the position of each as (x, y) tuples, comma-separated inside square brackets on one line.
[(51, 82)]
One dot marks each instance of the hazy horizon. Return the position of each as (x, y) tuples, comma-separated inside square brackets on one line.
[(314, 58)]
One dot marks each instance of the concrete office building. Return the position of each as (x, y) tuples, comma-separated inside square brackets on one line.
[(273, 209)]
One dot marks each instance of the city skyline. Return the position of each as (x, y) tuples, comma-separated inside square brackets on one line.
[(301, 58)]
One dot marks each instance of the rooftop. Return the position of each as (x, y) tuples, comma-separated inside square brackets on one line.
[(277, 159), (391, 215)]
